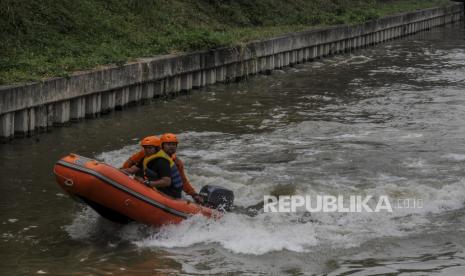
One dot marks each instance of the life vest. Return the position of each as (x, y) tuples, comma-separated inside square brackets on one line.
[(175, 189)]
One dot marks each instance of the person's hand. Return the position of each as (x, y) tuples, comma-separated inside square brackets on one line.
[(197, 198), (140, 179), (124, 170)]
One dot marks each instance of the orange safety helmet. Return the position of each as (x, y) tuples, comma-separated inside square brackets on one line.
[(153, 141), (169, 137)]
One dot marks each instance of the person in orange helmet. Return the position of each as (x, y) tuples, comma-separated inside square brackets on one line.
[(160, 171), (169, 143), (150, 145)]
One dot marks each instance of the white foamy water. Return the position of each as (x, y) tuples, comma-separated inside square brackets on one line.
[(118, 157), (235, 162), (455, 157), (299, 232), (352, 60), (237, 233)]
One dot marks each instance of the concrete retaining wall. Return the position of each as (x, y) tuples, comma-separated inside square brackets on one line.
[(28, 109)]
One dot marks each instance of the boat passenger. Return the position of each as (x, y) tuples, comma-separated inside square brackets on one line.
[(159, 169), (169, 143)]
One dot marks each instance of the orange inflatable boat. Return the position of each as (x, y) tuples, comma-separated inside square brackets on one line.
[(120, 198)]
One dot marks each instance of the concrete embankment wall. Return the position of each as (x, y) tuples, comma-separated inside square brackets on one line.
[(29, 109)]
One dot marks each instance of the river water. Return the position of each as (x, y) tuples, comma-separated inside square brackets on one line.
[(383, 121)]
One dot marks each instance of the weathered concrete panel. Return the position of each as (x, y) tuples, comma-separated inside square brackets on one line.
[(197, 79), (7, 126), (148, 91), (122, 98), (135, 93), (21, 123), (40, 114), (186, 82), (159, 88), (108, 101), (62, 113), (78, 109), (93, 105)]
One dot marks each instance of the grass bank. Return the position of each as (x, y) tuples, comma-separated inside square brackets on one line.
[(48, 38)]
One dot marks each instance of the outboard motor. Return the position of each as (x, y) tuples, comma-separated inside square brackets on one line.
[(217, 197)]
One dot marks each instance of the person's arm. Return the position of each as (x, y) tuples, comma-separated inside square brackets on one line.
[(134, 159), (135, 168), (161, 183), (132, 170), (186, 185)]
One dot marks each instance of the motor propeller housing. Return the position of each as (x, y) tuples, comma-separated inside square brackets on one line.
[(217, 197)]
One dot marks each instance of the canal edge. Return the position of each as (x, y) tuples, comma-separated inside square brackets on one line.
[(26, 110)]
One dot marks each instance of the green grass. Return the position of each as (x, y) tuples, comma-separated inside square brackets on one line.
[(47, 38)]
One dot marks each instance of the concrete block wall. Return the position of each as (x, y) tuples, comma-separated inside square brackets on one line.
[(30, 108)]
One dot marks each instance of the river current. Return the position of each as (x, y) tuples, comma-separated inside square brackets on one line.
[(383, 121)]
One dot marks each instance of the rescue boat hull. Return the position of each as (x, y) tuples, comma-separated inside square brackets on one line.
[(120, 198)]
